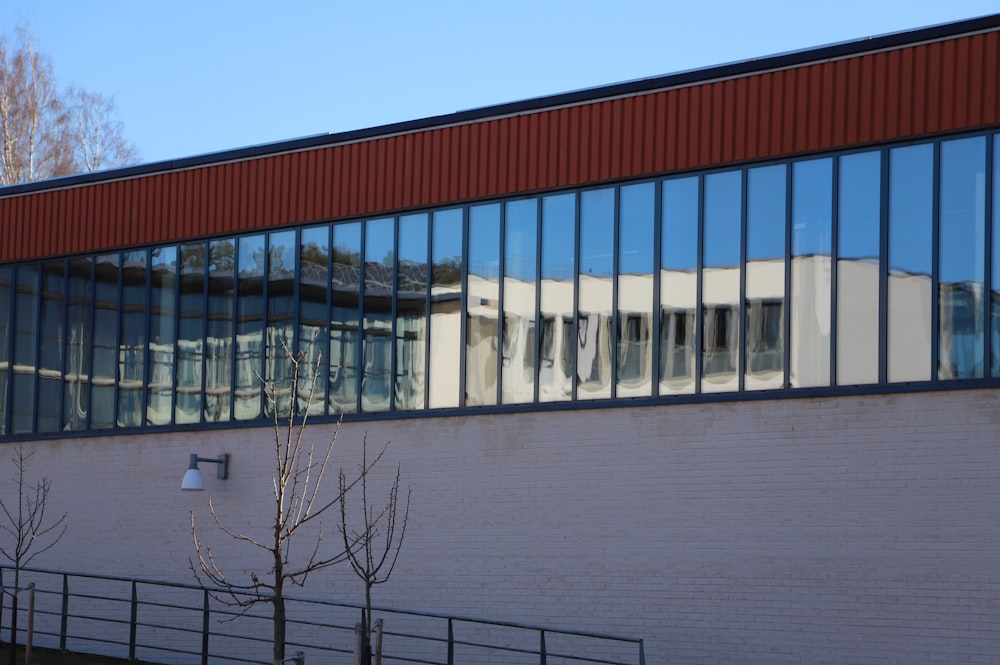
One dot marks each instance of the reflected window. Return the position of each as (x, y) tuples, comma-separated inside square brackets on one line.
[(219, 330), (345, 324), (446, 308), (25, 354), (858, 231), (79, 311), (51, 346), (812, 283), (558, 268), (251, 266), (314, 319), (596, 268), (765, 278), (162, 335), (519, 301), (6, 301), (961, 259), (376, 378), (105, 345), (280, 332), (190, 333), (132, 340), (635, 291), (720, 276), (411, 312), (911, 188), (678, 284), (482, 314)]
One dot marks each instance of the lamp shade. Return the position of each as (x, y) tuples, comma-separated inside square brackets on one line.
[(192, 477)]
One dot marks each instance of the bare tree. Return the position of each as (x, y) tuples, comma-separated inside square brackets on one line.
[(98, 138), (33, 127), (48, 134), (299, 504), (374, 545), (29, 531)]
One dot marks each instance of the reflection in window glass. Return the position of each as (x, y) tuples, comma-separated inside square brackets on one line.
[(555, 361), (249, 327), (765, 278), (995, 288), (961, 259), (25, 349), (411, 312), (132, 340), (482, 328), (376, 378), (280, 332), (162, 299), (446, 308), (6, 297), (518, 334), (720, 296), (51, 347), (635, 291), (219, 330), (858, 240), (76, 390), (597, 242), (102, 404), (678, 285), (812, 239), (911, 187), (345, 336), (190, 333), (314, 319)]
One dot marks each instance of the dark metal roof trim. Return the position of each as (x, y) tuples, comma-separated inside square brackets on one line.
[(638, 86)]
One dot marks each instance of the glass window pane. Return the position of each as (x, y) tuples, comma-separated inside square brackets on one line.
[(446, 308), (858, 233), (6, 308), (765, 279), (635, 291), (376, 378), (995, 288), (482, 328), (132, 340), (280, 334), (911, 187), (555, 370), (76, 393), (219, 331), (961, 261), (345, 336), (190, 333), (720, 296), (812, 286), (314, 318), (102, 402), (251, 260), (678, 285), (162, 335), (597, 242), (26, 303), (519, 293), (411, 312), (50, 352)]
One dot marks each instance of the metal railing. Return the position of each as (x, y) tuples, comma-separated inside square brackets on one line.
[(186, 624)]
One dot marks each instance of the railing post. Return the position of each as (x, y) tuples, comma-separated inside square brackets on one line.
[(3, 592), (204, 627), (451, 643), (133, 620), (64, 618), (29, 635), (642, 653), (13, 627), (542, 655)]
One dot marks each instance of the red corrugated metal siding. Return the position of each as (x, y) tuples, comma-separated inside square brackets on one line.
[(919, 90)]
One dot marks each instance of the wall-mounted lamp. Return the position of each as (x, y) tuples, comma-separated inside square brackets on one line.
[(192, 477)]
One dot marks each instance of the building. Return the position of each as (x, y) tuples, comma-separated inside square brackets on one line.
[(710, 358)]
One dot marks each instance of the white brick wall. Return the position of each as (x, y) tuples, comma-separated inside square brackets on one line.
[(834, 530)]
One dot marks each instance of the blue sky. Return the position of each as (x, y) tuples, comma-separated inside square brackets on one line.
[(197, 77)]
